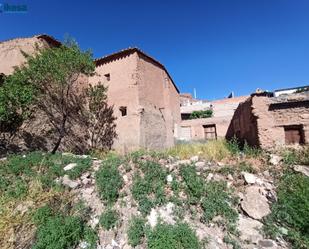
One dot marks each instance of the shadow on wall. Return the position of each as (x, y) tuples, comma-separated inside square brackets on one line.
[(243, 125)]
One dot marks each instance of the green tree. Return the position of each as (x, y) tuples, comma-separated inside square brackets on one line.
[(53, 80)]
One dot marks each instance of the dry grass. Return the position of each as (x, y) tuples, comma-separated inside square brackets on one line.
[(213, 150), (16, 227)]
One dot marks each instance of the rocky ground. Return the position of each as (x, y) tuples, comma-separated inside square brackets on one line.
[(225, 203), (255, 191)]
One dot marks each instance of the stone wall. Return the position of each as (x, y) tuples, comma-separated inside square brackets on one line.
[(261, 120)]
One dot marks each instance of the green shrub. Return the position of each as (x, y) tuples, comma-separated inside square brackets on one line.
[(194, 183), (217, 201), (291, 210), (108, 219), (59, 232), (136, 231), (201, 114), (148, 190), (296, 156), (179, 236), (108, 180), (42, 214), (90, 236)]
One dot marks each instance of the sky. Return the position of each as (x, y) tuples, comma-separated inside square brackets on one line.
[(214, 46)]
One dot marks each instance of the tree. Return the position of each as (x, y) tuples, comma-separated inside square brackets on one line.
[(57, 82), (101, 126)]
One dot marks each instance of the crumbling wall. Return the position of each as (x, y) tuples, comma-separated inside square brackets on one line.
[(160, 102)]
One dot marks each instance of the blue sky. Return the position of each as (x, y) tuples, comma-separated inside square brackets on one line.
[(215, 46)]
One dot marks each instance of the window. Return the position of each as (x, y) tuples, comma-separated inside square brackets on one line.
[(123, 110), (210, 132), (107, 76), (294, 134)]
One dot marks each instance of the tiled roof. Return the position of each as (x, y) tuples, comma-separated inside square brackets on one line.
[(128, 51)]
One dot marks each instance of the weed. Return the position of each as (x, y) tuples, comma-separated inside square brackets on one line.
[(108, 180), (217, 201), (136, 231), (90, 236), (229, 240), (108, 219), (291, 210), (179, 236), (296, 156), (59, 232), (148, 190), (215, 150), (194, 183)]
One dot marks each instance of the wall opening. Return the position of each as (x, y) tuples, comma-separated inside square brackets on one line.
[(123, 110), (107, 76), (210, 132), (294, 134)]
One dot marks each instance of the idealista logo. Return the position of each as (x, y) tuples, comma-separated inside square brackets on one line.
[(13, 8)]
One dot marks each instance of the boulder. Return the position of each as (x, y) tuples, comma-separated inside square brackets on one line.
[(254, 203), (249, 229), (69, 183), (70, 166), (274, 159), (164, 213), (302, 169), (194, 159), (249, 178)]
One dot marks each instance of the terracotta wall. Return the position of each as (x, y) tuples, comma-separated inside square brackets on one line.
[(152, 102), (261, 120), (123, 92)]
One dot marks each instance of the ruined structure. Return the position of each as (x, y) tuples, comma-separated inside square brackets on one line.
[(207, 128), (144, 96), (270, 122), (145, 99)]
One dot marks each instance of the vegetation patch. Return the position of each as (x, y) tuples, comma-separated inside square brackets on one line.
[(148, 187), (214, 150), (195, 185), (108, 179), (109, 219), (179, 236), (201, 114), (136, 231), (291, 211), (218, 201)]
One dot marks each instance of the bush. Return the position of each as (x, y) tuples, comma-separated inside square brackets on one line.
[(296, 156), (108, 179), (59, 232), (136, 231), (108, 219), (201, 114), (152, 183), (19, 170), (194, 183), (291, 210), (217, 201), (179, 236)]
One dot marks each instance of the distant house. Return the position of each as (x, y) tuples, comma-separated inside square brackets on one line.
[(212, 127), (267, 121)]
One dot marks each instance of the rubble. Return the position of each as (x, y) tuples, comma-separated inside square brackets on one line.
[(302, 169), (254, 203)]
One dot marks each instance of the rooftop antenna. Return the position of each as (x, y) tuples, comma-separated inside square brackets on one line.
[(194, 90)]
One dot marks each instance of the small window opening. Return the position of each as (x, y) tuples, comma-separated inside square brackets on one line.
[(294, 134), (123, 110), (107, 76)]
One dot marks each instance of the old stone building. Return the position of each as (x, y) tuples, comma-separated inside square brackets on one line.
[(270, 122), (144, 96), (212, 127), (145, 99)]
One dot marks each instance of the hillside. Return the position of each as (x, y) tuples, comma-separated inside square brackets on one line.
[(211, 195)]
